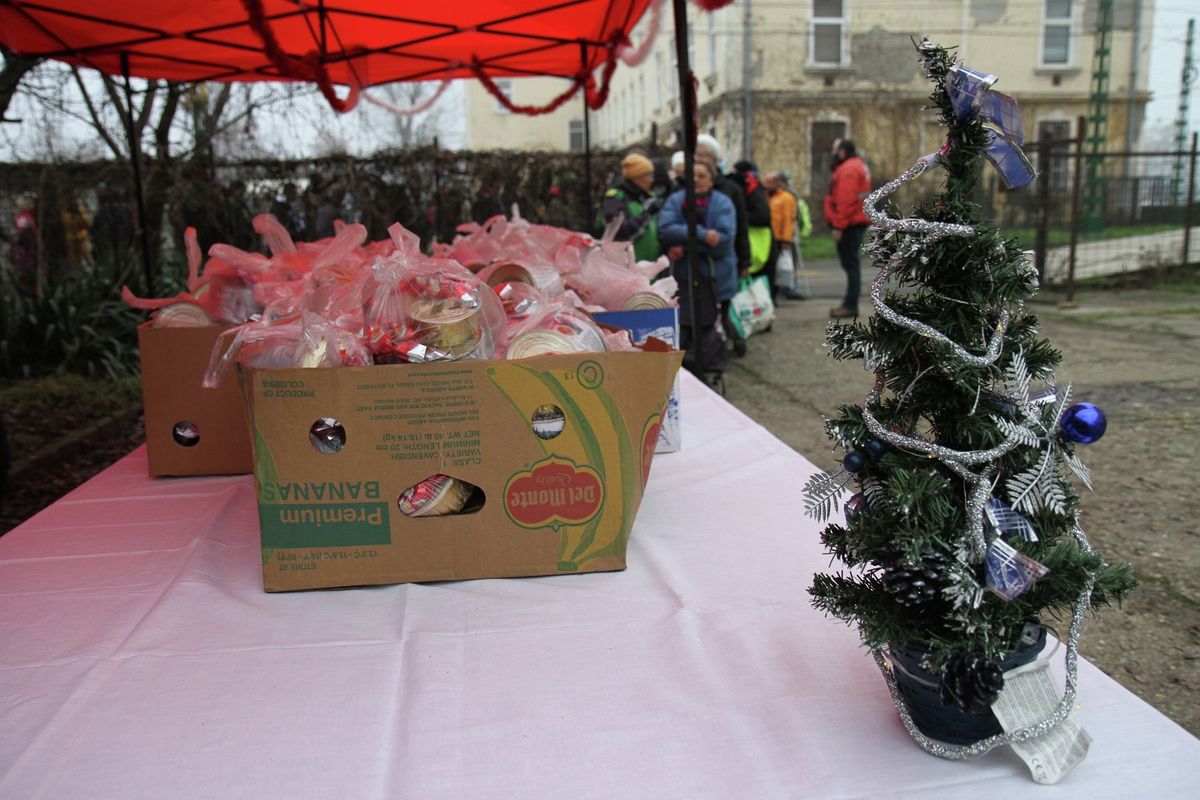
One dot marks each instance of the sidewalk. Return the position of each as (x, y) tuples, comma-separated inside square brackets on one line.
[(1115, 256)]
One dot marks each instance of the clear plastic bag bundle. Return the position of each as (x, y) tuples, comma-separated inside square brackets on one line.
[(421, 309), (307, 341)]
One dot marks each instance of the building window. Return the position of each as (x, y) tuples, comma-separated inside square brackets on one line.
[(822, 136), (1057, 172), (1056, 33), (712, 43), (827, 34), (658, 80), (505, 85), (576, 141), (691, 52)]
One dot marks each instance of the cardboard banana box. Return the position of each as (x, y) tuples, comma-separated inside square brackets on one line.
[(559, 448), (190, 430)]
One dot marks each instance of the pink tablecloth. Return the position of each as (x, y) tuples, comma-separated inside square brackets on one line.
[(140, 658)]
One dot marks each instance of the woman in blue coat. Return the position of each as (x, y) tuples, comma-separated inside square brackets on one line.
[(716, 227)]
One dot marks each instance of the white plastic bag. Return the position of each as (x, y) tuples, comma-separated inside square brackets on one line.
[(752, 308), (785, 269)]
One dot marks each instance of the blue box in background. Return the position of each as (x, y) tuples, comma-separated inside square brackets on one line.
[(661, 323)]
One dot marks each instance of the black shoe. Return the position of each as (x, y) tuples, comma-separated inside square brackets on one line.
[(716, 382), (793, 295), (739, 348), (767, 329)]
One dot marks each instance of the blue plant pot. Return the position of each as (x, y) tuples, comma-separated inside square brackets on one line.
[(949, 723)]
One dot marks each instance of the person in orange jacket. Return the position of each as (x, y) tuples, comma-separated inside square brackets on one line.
[(844, 212)]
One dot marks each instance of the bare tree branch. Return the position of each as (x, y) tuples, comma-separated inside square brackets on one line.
[(147, 106), (162, 130), (15, 68), (97, 123)]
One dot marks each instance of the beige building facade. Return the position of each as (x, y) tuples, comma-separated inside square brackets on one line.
[(813, 70), (491, 126)]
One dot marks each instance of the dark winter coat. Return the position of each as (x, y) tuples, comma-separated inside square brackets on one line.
[(640, 224)]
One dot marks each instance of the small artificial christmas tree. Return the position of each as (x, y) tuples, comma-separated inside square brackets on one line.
[(963, 536)]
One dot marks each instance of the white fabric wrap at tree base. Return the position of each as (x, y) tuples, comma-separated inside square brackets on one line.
[(1029, 695)]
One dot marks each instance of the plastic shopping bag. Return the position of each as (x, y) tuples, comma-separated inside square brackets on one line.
[(751, 308), (785, 269), (761, 240)]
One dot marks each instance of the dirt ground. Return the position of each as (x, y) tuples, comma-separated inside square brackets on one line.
[(1133, 353)]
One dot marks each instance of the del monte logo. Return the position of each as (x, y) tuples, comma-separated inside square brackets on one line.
[(553, 492)]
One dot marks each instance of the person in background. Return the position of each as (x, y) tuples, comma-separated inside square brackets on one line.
[(23, 246), (112, 228), (238, 220), (789, 224), (311, 204), (758, 223), (329, 209), (633, 201), (556, 212), (76, 231), (678, 162), (286, 209), (663, 183), (716, 230), (709, 149), (844, 212)]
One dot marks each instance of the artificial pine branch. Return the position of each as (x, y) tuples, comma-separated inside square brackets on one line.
[(916, 514)]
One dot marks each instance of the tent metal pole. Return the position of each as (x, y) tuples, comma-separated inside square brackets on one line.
[(747, 81), (587, 163), (687, 107), (587, 149), (321, 20), (135, 158), (437, 190)]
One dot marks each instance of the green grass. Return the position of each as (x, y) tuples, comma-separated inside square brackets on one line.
[(1057, 237), (100, 396), (821, 247)]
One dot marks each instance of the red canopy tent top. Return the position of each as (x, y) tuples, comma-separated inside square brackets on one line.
[(349, 42)]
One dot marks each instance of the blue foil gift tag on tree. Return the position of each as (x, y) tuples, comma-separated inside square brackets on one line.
[(1010, 572), (1008, 159), (966, 88), (1000, 517)]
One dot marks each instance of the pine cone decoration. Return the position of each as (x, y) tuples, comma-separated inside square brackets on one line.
[(915, 584), (970, 682)]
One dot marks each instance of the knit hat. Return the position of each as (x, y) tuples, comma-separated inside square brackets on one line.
[(710, 145), (634, 166)]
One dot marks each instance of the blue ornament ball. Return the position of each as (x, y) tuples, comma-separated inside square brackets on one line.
[(1083, 423), (854, 461), (875, 449)]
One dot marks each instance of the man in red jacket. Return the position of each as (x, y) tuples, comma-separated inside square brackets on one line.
[(844, 213)]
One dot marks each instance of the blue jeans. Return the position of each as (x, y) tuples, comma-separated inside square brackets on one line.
[(847, 250)]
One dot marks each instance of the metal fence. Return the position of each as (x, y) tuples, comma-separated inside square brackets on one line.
[(1108, 217), (86, 213)]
